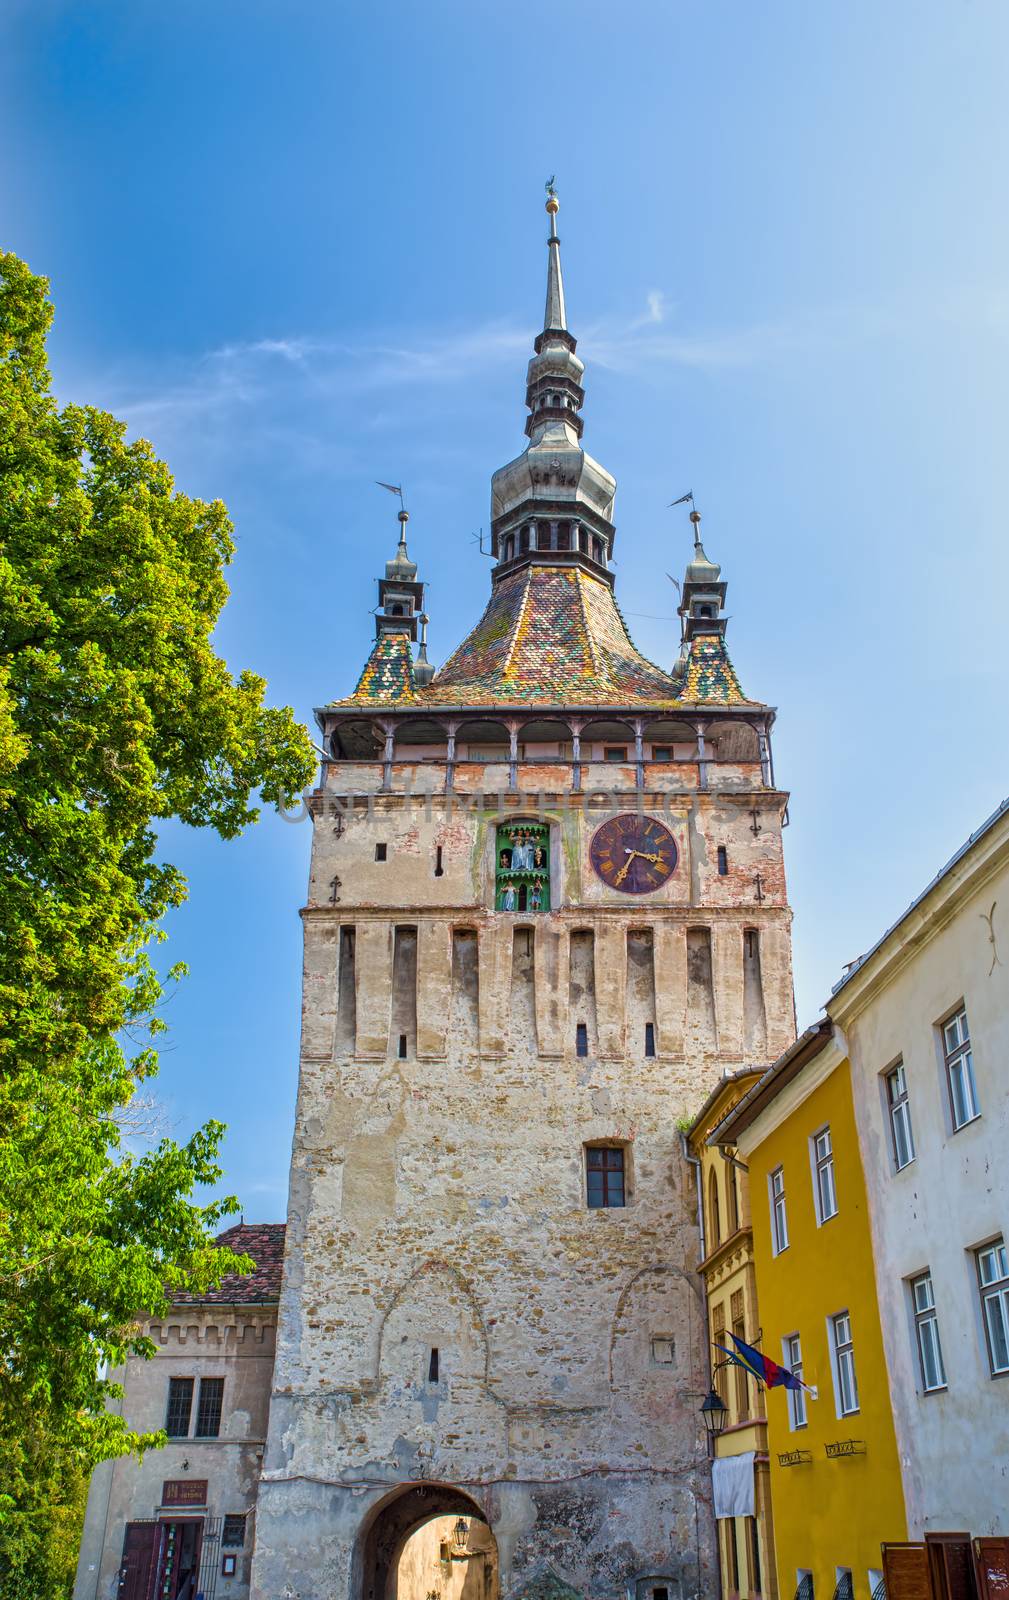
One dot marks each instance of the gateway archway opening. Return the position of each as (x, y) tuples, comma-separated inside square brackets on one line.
[(429, 1542)]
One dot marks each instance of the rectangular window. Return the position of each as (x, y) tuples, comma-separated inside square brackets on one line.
[(959, 1069), (649, 1038), (381, 852), (208, 1410), (581, 1039), (721, 1374), (614, 752), (842, 1350), (604, 1175), (180, 1406), (791, 1350), (901, 1137), (723, 861), (233, 1532), (779, 1219), (993, 1282), (662, 752), (823, 1170), (433, 1365), (926, 1327)]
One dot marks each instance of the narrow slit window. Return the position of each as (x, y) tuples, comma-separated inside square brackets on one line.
[(649, 1038), (433, 1365), (581, 1039), (723, 861), (402, 1047), (381, 852), (439, 870)]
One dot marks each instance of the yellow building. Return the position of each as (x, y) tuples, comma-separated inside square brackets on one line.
[(834, 1469), (745, 1543)]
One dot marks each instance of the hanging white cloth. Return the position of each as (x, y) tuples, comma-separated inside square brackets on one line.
[(732, 1483)]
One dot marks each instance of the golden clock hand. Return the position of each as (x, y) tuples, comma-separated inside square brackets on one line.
[(621, 875)]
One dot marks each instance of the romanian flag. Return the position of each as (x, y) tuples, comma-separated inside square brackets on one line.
[(760, 1366)]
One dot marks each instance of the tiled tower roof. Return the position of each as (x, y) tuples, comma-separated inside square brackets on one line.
[(388, 673), (550, 636), (552, 633)]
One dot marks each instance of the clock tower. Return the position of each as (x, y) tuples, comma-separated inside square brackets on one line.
[(546, 913)]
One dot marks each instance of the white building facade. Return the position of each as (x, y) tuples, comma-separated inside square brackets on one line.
[(926, 1017)]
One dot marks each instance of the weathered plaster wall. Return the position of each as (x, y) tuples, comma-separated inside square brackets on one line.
[(438, 1200), (193, 1342), (953, 1197)]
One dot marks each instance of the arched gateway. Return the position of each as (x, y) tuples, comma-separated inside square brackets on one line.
[(424, 1538), (546, 915)]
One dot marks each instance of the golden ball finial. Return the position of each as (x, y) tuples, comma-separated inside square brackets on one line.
[(553, 205)]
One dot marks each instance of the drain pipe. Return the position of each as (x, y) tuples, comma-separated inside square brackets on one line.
[(695, 1162)]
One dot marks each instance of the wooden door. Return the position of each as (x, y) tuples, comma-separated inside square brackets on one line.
[(906, 1572), (951, 1566), (139, 1567), (991, 1564)]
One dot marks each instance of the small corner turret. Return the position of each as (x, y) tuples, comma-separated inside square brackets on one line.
[(703, 597)]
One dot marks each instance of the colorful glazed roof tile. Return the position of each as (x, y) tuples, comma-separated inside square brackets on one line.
[(710, 673), (388, 673), (551, 635)]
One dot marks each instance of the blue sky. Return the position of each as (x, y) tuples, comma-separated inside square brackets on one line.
[(302, 248)]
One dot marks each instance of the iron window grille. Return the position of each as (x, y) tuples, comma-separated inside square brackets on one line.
[(844, 1364), (826, 1188), (959, 1059), (180, 1407), (926, 1327), (604, 1175), (233, 1535), (993, 1283), (208, 1410), (843, 1589), (804, 1588), (779, 1216), (901, 1135)]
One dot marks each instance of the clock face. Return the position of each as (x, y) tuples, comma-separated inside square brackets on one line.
[(633, 854)]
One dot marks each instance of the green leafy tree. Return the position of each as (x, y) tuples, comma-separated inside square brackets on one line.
[(116, 713)]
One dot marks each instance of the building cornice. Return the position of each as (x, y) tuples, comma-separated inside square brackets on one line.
[(984, 854)]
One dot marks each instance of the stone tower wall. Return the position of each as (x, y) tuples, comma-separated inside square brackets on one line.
[(438, 1186)]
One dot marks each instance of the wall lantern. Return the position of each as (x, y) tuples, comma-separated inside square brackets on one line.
[(460, 1535), (713, 1410)]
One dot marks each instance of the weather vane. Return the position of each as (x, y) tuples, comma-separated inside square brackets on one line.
[(549, 186)]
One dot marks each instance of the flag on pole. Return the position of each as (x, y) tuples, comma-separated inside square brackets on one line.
[(760, 1366)]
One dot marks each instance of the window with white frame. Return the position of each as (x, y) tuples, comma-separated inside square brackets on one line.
[(993, 1283), (843, 1362), (823, 1176), (779, 1219), (959, 1060), (791, 1350), (899, 1107), (926, 1328)]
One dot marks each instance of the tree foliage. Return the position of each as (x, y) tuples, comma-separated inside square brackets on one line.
[(116, 713)]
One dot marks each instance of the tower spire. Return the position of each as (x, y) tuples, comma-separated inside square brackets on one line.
[(555, 315)]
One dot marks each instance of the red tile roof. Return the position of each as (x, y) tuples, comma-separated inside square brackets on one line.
[(264, 1242)]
